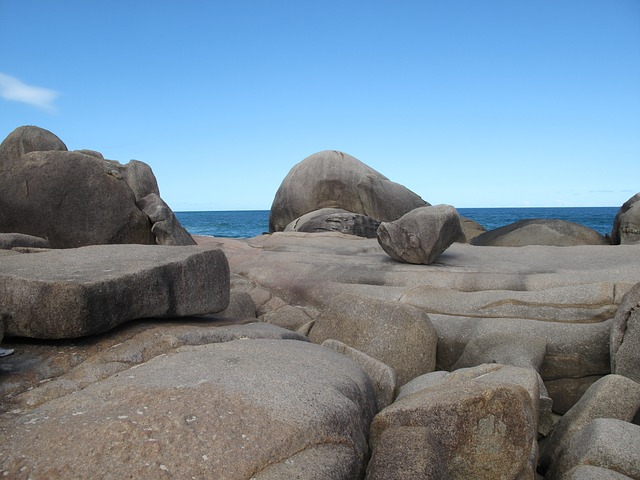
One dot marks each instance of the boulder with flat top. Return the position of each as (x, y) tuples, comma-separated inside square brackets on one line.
[(70, 293)]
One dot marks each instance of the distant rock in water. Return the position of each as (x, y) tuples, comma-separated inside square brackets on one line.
[(540, 231), (71, 199), (332, 179), (335, 220), (626, 225)]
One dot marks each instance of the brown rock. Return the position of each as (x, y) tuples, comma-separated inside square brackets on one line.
[(225, 411)]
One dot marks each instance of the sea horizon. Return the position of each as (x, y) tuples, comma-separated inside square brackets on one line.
[(251, 223)]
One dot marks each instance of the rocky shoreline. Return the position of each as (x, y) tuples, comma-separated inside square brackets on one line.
[(320, 355)]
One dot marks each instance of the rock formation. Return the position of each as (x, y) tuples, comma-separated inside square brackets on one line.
[(626, 225), (421, 235), (331, 179), (71, 293), (335, 220), (540, 231), (74, 198)]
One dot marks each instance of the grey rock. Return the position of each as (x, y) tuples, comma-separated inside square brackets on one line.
[(421, 235), (331, 179), (70, 198), (13, 240), (540, 231), (625, 336), (166, 227), (75, 292), (382, 376), (527, 378), (591, 472), (612, 396), (626, 225), (507, 348), (400, 336), (471, 229), (241, 306), (28, 139), (48, 370), (408, 452), (567, 296), (240, 409), (335, 220), (481, 430), (604, 442)]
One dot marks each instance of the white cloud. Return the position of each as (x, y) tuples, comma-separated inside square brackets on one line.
[(14, 89)]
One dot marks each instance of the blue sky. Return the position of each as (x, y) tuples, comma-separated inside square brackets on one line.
[(471, 103)]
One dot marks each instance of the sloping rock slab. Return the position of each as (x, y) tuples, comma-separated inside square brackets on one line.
[(234, 410), (84, 291)]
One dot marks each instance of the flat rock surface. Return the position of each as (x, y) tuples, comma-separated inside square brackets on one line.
[(566, 296), (74, 292)]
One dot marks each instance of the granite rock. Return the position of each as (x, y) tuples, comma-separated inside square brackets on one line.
[(75, 292)]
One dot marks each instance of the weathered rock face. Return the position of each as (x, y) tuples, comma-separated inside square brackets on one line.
[(335, 220), (238, 409), (604, 442), (540, 231), (399, 335), (421, 235), (613, 396), (478, 430), (625, 336), (331, 179), (75, 292), (71, 199), (626, 225), (166, 227)]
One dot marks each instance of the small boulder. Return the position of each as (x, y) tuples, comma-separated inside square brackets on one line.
[(421, 235), (13, 240), (335, 220), (613, 396), (626, 225), (476, 430), (166, 227), (625, 336), (540, 231), (398, 335), (604, 442), (71, 293), (332, 179)]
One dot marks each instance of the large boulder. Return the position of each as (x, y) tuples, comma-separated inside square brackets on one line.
[(166, 227), (540, 231), (331, 179), (263, 409), (72, 199), (421, 235), (626, 225), (625, 336), (75, 292)]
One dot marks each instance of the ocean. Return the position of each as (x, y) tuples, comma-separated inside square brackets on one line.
[(250, 223)]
